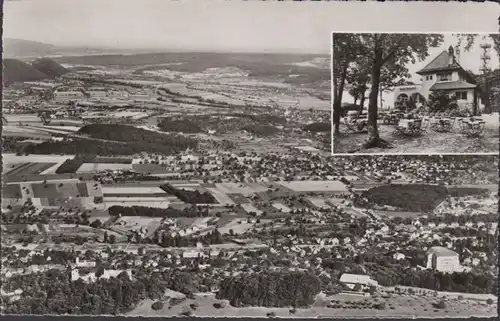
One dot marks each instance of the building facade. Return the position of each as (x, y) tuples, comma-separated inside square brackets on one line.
[(443, 260), (442, 75)]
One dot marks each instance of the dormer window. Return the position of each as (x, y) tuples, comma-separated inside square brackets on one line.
[(445, 76)]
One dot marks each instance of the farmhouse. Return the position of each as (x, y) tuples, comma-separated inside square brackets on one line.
[(443, 74), (353, 280)]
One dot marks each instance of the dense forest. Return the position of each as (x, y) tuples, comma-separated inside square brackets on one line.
[(191, 197), (270, 289), (410, 197), (179, 125), (54, 293), (113, 140)]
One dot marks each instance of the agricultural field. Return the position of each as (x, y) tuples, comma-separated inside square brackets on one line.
[(98, 167), (220, 196), (281, 207), (318, 202), (248, 207), (245, 189), (315, 186), (138, 191), (14, 171)]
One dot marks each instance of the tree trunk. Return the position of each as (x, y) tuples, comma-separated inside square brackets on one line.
[(380, 93), (363, 98), (355, 100), (373, 134), (338, 87)]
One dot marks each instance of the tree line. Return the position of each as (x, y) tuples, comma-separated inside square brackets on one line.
[(191, 197)]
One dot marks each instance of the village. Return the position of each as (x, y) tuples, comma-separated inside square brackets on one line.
[(228, 215)]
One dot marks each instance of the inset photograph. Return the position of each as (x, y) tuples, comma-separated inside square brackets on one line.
[(409, 93)]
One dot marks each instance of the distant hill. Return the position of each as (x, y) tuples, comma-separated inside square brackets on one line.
[(16, 70), (49, 67), (19, 48)]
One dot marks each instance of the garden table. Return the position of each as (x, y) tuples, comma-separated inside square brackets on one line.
[(472, 127), (442, 124), (356, 123), (410, 127)]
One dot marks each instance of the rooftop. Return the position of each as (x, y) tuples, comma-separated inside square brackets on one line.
[(452, 85), (357, 278), (441, 251), (441, 62)]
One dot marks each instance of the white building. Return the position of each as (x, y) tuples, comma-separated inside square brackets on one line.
[(443, 260), (443, 74), (351, 280)]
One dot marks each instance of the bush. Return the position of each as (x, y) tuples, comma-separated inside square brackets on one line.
[(380, 306), (218, 305), (440, 305), (489, 301), (271, 314), (157, 305)]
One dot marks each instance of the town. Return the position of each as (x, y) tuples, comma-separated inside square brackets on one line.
[(160, 171)]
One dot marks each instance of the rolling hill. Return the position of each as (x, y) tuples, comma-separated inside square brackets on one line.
[(49, 67), (16, 70), (19, 48)]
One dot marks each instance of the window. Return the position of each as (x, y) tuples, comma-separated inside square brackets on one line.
[(461, 95), (428, 77), (446, 76)]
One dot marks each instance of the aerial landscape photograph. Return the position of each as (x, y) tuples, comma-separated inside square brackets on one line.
[(431, 93), (153, 170)]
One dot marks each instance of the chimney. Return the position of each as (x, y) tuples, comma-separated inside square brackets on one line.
[(451, 56)]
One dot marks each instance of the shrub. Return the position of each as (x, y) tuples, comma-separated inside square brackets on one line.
[(157, 305)]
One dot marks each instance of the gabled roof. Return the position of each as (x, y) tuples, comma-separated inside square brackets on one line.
[(441, 62), (357, 279), (451, 85), (441, 251)]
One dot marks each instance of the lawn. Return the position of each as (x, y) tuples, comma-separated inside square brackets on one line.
[(396, 306)]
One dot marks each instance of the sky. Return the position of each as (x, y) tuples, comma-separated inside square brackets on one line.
[(217, 25)]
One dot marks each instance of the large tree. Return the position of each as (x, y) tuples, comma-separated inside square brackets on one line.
[(344, 52), (399, 50)]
